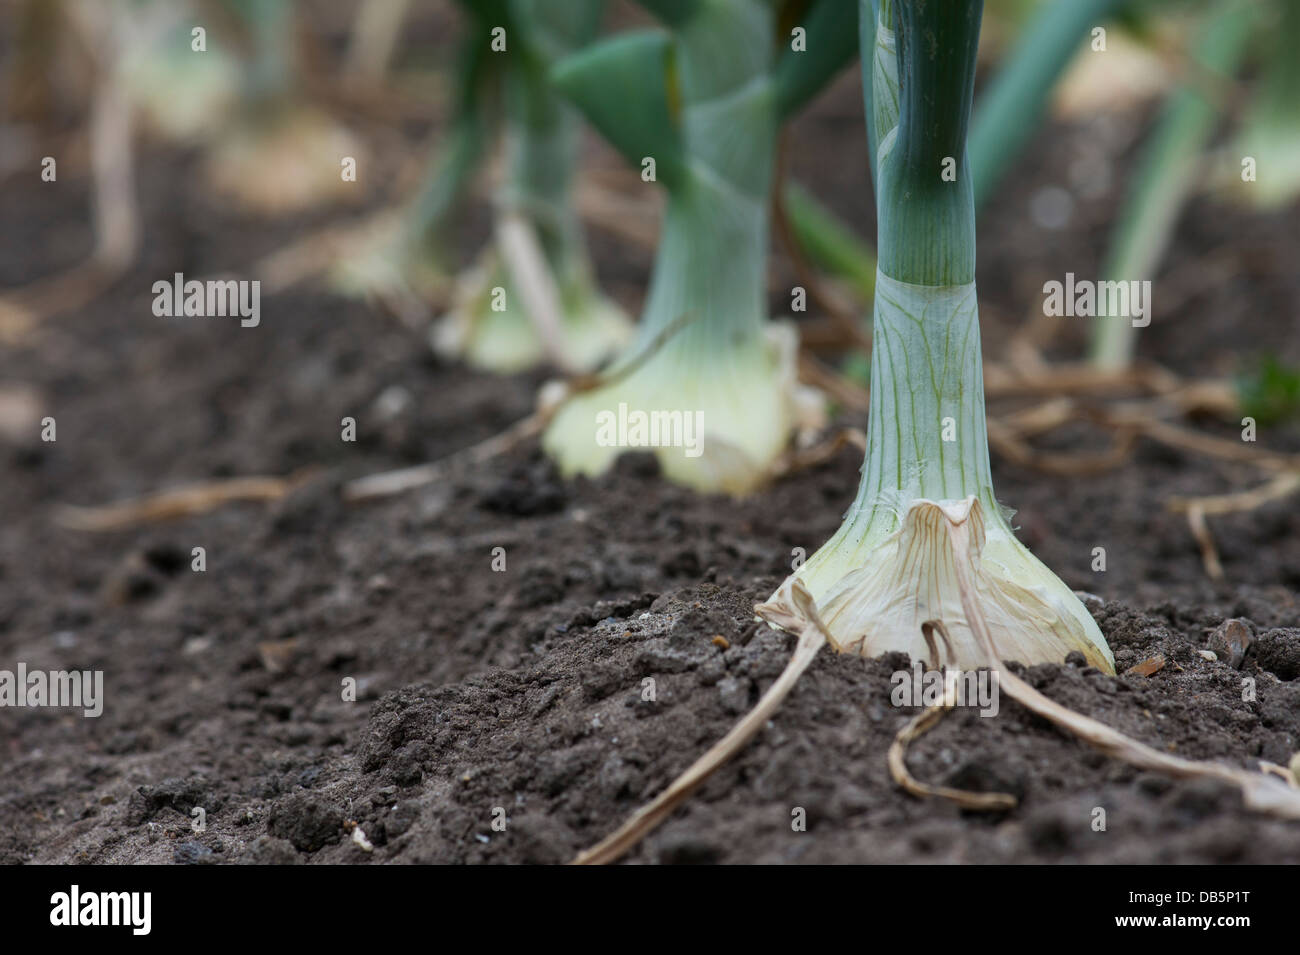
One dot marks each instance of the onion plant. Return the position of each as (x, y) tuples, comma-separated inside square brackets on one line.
[(925, 555), (890, 568), (532, 294), (282, 155), (1168, 171), (698, 105), (503, 313)]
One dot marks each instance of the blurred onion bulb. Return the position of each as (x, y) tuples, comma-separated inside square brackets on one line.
[(696, 109)]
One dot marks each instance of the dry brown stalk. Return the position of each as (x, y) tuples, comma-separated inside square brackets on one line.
[(388, 483), (1282, 485), (1010, 446), (1201, 531), (178, 502), (846, 392), (799, 459)]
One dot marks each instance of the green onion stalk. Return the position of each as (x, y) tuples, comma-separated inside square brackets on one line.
[(281, 155), (1167, 172), (1008, 111), (506, 317), (520, 304), (1005, 117), (890, 567), (700, 105)]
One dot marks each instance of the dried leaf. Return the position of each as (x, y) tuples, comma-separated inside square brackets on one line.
[(1148, 667)]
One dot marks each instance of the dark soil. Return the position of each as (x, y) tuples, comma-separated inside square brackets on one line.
[(523, 691)]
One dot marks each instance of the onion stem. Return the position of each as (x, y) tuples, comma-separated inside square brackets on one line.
[(887, 570), (699, 105)]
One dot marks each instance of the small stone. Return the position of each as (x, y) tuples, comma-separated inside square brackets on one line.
[(1230, 640), (392, 402), (734, 694), (193, 646), (192, 853)]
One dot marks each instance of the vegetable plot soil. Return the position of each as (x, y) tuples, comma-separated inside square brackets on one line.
[(525, 690)]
